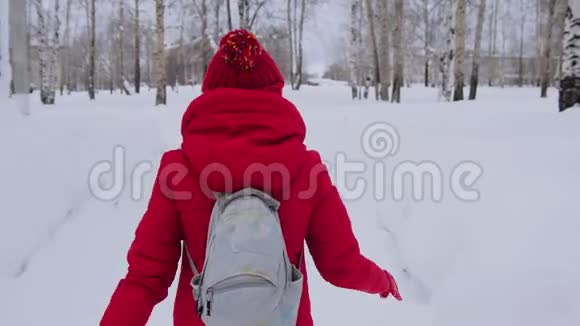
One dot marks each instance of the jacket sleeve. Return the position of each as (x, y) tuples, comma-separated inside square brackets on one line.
[(153, 258), (334, 248)]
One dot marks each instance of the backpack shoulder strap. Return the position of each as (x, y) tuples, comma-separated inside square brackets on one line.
[(191, 263)]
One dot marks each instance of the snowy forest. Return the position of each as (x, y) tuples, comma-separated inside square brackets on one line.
[(447, 133), (126, 45)]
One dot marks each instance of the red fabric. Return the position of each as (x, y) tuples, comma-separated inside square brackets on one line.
[(237, 128), (393, 288), (241, 62)]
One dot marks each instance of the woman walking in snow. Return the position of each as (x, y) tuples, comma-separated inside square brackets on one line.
[(240, 121)]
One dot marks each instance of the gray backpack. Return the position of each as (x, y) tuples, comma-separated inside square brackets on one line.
[(247, 277)]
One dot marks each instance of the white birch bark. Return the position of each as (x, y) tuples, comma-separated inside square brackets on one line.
[(570, 81), (296, 15), (160, 72), (448, 54), (398, 52), (384, 49), (353, 46), (55, 51), (137, 48), (92, 10), (205, 42), (474, 82), (43, 53), (459, 56), (5, 74), (374, 46), (244, 13), (547, 49), (571, 40)]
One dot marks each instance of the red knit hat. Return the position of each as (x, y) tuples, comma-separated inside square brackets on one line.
[(242, 62)]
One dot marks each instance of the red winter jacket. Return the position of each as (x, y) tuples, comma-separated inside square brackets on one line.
[(230, 131)]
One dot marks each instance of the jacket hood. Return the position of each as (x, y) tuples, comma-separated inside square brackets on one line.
[(236, 138)]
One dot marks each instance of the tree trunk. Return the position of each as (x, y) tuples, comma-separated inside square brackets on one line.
[(122, 76), (229, 12), (300, 52), (398, 47), (291, 36), (570, 84), (161, 74), (521, 49), (459, 50), (490, 44), (375, 49), (45, 60), (14, 36), (216, 14), (384, 50), (254, 17), (92, 50), (181, 69), (426, 41), (205, 41), (477, 51), (547, 51), (559, 24), (55, 50), (65, 55), (354, 9), (137, 49), (5, 39), (539, 25), (244, 13), (148, 56), (493, 43), (448, 55), (295, 20)]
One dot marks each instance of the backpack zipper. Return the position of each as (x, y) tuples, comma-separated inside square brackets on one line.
[(230, 284)]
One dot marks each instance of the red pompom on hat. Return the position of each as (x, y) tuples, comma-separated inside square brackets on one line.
[(242, 62)]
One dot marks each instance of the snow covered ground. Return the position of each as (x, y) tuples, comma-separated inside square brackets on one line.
[(510, 258)]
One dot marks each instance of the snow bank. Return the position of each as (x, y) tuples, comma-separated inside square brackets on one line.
[(510, 258)]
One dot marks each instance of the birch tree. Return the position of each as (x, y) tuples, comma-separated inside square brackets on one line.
[(55, 47), (205, 43), (4, 41), (353, 47), (521, 46), (398, 49), (181, 51), (296, 13), (427, 39), (570, 84), (244, 13), (547, 49), (492, 52), (477, 50), (374, 46), (45, 53), (216, 14), (384, 50), (137, 48), (247, 18), (229, 14), (448, 54), (160, 73), (65, 57), (121, 48), (459, 50), (92, 48)]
